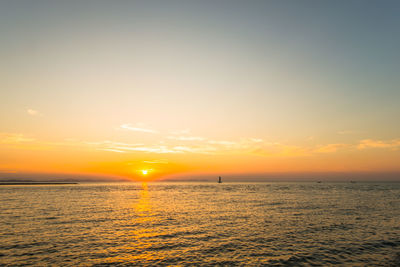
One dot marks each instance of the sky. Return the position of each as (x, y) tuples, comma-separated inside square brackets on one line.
[(148, 90)]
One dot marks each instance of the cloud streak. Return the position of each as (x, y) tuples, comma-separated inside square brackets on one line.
[(12, 138), (182, 144), (151, 149), (187, 138), (33, 112), (156, 161), (129, 127), (223, 143), (370, 143), (331, 148)]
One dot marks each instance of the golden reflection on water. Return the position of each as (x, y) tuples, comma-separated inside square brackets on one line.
[(143, 209), (144, 237), (201, 224)]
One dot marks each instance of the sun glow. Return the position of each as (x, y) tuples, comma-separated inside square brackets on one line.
[(145, 172)]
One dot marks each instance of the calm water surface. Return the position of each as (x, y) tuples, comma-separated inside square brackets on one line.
[(201, 224)]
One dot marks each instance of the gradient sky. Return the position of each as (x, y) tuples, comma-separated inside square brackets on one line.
[(191, 88)]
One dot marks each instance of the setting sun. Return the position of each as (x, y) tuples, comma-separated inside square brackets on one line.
[(145, 172)]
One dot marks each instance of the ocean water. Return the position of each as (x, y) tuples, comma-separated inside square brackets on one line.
[(180, 224)]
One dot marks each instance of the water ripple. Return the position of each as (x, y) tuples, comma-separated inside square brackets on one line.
[(274, 224)]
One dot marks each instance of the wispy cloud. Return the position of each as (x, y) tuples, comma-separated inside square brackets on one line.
[(369, 143), (33, 112), (186, 138), (156, 161), (199, 145), (166, 149), (256, 140), (12, 138), (119, 147), (112, 150), (331, 148), (222, 142), (128, 126), (109, 143), (21, 141), (196, 149), (150, 149), (126, 147)]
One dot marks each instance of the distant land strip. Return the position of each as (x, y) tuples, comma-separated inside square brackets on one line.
[(35, 183)]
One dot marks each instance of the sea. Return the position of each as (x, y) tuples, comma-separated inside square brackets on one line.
[(201, 224)]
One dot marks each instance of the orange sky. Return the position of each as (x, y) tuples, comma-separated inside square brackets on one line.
[(198, 89), (169, 156)]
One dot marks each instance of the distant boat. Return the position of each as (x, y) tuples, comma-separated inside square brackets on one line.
[(319, 182), (219, 180)]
